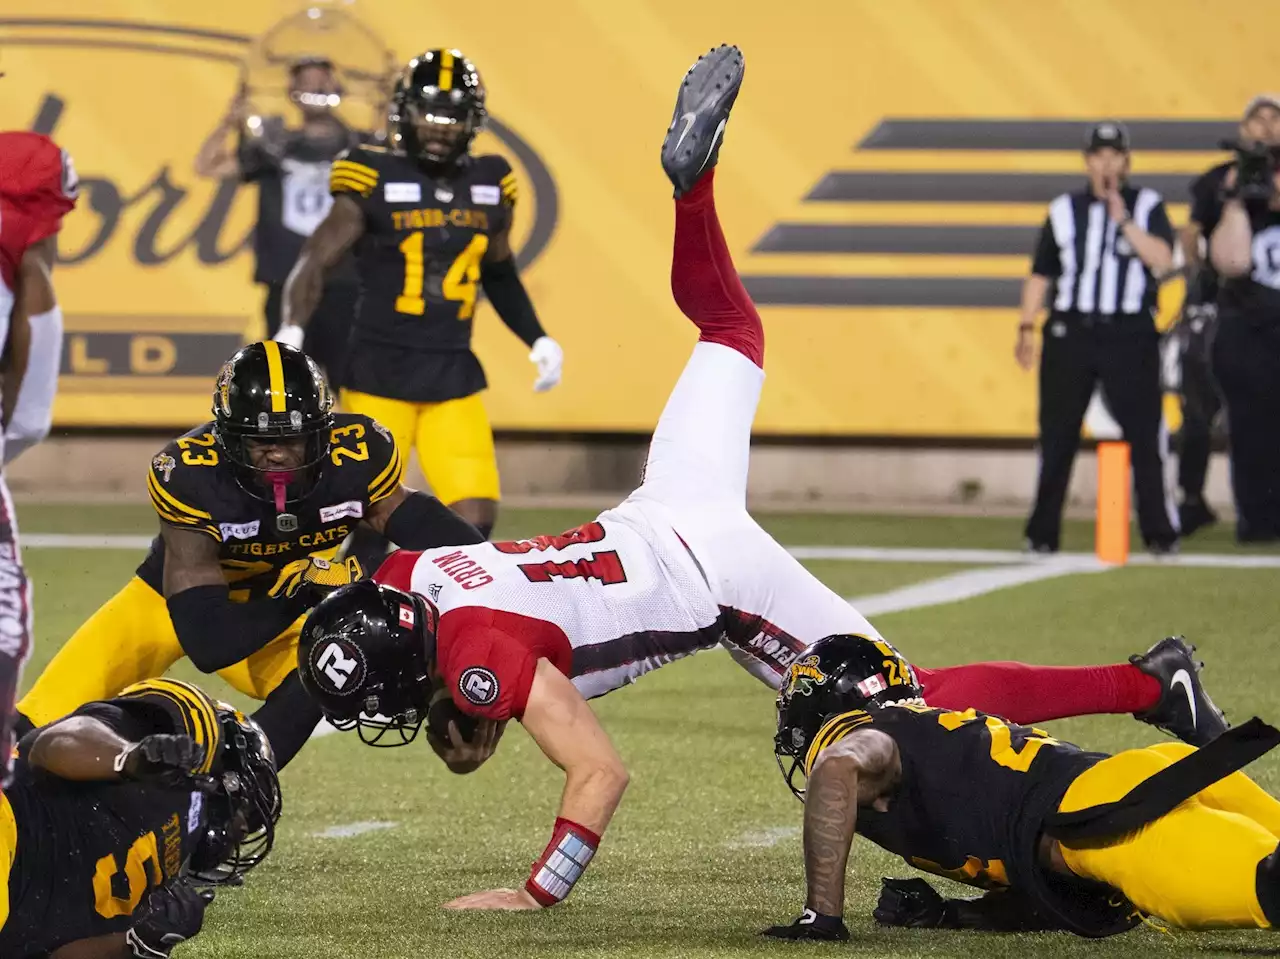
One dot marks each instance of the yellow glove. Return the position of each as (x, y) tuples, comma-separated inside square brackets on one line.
[(321, 575)]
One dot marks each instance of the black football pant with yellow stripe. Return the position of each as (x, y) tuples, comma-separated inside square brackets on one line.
[(1205, 865)]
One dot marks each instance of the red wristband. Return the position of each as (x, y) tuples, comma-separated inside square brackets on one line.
[(562, 863)]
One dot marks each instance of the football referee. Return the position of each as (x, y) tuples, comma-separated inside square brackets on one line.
[(1097, 262)]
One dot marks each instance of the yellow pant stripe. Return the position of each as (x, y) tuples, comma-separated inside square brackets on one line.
[(275, 376)]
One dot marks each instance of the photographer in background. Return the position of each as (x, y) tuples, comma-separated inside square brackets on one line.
[(1194, 333), (1245, 250), (291, 168)]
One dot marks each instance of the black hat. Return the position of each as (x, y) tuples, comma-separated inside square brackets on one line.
[(1107, 133)]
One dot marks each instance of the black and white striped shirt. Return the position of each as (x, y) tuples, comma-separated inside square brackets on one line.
[(1096, 270)]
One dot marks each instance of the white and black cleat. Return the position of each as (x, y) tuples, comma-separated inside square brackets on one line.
[(1185, 709), (706, 96)]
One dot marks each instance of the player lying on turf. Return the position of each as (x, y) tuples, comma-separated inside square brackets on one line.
[(121, 815), (532, 629), (1074, 840), (252, 506)]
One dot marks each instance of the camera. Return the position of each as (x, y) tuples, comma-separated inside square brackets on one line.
[(1256, 165)]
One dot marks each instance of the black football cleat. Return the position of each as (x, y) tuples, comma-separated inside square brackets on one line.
[(706, 96), (1185, 709)]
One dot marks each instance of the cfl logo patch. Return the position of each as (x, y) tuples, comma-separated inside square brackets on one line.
[(339, 667), (478, 685)]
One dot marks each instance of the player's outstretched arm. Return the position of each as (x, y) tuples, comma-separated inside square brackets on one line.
[(335, 235), (213, 631), (413, 520), (854, 769), (567, 731), (86, 749)]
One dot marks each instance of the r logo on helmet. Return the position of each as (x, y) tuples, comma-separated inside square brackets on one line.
[(338, 667), (479, 686)]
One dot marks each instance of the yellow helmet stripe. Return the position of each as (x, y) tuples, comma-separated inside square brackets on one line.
[(174, 504), (446, 69), (203, 727), (275, 376)]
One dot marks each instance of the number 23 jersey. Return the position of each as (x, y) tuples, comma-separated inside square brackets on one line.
[(604, 603)]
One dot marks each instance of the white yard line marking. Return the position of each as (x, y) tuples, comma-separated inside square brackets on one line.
[(764, 838), (903, 554), (352, 829), (970, 583), (81, 541)]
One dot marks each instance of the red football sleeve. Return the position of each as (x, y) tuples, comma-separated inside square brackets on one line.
[(489, 671)]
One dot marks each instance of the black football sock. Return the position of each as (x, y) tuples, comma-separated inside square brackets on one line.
[(288, 717)]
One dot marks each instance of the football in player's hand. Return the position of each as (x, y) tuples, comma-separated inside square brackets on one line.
[(441, 711)]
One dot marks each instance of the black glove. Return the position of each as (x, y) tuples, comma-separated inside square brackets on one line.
[(912, 903), (811, 925), (163, 759), (172, 914)]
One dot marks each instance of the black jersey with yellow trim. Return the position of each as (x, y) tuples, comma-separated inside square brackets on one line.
[(966, 779), (971, 804), (192, 487), (424, 239), (86, 854)]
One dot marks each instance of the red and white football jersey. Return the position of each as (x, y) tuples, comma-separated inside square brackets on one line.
[(38, 186), (604, 603)]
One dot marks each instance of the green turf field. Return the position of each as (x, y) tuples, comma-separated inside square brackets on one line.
[(705, 849)]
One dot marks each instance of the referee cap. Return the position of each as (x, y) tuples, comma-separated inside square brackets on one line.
[(1107, 133)]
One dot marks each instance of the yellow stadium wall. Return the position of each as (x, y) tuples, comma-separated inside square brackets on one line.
[(588, 86)]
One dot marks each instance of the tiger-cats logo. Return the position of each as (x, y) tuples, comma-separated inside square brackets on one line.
[(803, 675)]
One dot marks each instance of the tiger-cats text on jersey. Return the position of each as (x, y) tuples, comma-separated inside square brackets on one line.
[(193, 487), (419, 263), (87, 853)]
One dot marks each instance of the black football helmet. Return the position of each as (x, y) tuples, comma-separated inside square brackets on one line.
[(365, 656), (270, 392), (242, 801), (833, 676), (437, 108)]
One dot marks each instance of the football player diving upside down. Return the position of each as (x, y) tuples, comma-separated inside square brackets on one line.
[(252, 507), (532, 629)]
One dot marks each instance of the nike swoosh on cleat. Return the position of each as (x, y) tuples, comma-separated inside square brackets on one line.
[(688, 119), (1183, 678), (715, 138)]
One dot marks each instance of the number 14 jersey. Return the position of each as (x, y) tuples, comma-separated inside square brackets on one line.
[(419, 264), (604, 603)]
